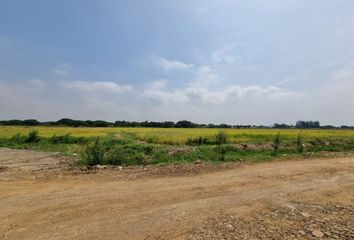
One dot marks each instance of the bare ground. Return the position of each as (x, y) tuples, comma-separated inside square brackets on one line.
[(42, 196)]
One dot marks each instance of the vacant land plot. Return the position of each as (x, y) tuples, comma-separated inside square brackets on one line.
[(42, 196), (182, 135), (151, 146)]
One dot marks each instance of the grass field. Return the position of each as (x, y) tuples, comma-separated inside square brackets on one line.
[(137, 146), (181, 136)]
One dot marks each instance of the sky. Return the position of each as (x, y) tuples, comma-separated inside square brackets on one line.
[(207, 61)]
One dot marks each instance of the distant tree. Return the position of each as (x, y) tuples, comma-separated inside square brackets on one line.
[(308, 124), (168, 124), (185, 124), (100, 123), (328, 127), (346, 127), (223, 125), (68, 122), (281, 126), (31, 122), (12, 122)]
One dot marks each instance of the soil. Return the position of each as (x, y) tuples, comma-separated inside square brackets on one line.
[(45, 196)]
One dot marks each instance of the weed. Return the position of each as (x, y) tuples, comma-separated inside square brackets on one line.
[(276, 144), (66, 139), (94, 153), (33, 137), (300, 144), (221, 138)]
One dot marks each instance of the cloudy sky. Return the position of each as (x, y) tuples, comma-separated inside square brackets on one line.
[(231, 61)]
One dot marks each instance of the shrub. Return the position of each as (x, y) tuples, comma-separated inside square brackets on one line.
[(197, 141), (148, 149), (300, 144), (221, 138), (152, 139), (276, 144), (124, 155), (33, 137), (222, 152), (319, 141), (66, 139), (18, 139), (112, 151), (94, 153)]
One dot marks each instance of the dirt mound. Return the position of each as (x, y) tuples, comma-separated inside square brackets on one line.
[(254, 147), (296, 221), (181, 150), (23, 164)]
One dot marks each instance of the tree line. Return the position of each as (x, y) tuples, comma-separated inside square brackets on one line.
[(166, 124)]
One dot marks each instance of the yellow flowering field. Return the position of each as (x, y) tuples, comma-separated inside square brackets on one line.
[(182, 135)]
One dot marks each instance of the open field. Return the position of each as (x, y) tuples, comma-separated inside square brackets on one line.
[(148, 183), (181, 135), (145, 146), (42, 196)]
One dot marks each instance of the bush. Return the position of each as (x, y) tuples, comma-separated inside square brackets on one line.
[(276, 144), (153, 139), (18, 139), (222, 152), (197, 141), (33, 137), (124, 155), (94, 153), (300, 144), (221, 138), (66, 139), (112, 151)]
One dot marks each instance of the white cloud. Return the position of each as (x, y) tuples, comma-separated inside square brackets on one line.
[(345, 74), (157, 92), (206, 76), (62, 69), (24, 99), (338, 90), (36, 84), (98, 87), (19, 100), (168, 65), (224, 56), (217, 67), (285, 81)]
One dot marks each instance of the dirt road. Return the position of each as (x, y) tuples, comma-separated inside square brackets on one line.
[(42, 198)]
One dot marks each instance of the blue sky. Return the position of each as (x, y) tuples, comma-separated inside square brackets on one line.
[(256, 62)]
